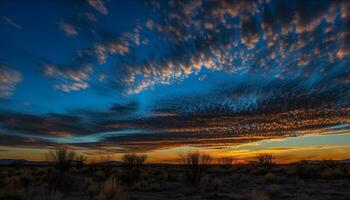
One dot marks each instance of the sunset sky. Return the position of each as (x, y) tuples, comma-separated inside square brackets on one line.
[(164, 77)]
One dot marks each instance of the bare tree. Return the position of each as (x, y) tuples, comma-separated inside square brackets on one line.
[(264, 160), (134, 163), (134, 160), (62, 158), (196, 164)]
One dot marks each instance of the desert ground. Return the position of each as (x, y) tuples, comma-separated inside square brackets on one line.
[(196, 179)]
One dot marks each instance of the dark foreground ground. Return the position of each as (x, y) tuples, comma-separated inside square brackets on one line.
[(325, 180)]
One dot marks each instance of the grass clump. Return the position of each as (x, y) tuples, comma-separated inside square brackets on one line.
[(111, 190)]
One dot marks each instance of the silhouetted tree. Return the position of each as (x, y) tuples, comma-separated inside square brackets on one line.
[(62, 158), (196, 164), (264, 160), (134, 163)]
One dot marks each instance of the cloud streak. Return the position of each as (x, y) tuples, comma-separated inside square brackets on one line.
[(68, 79), (99, 6), (9, 79)]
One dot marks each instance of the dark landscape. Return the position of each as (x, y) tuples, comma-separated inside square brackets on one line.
[(196, 176)]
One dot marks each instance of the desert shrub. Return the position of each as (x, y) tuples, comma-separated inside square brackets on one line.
[(12, 189), (80, 161), (111, 190), (149, 185), (62, 158), (332, 173), (265, 160), (11, 195), (329, 164), (134, 164), (100, 175), (271, 178), (25, 180), (302, 196), (105, 164), (134, 160), (308, 170), (156, 174), (228, 162), (55, 196), (3, 182), (235, 180), (259, 195), (196, 163), (242, 179), (39, 172), (171, 176), (274, 189), (215, 184), (59, 182), (291, 171), (91, 188)]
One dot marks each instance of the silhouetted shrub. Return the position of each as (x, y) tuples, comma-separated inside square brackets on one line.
[(259, 195), (274, 189), (134, 160), (62, 158), (271, 178), (111, 190), (12, 190), (134, 164), (264, 160), (228, 162), (91, 188), (332, 173), (26, 180), (196, 164), (308, 171), (148, 186), (80, 161), (100, 175), (105, 164)]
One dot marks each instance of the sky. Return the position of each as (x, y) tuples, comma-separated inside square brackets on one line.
[(106, 77)]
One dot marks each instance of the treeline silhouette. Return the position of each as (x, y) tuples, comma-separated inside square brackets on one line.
[(70, 174)]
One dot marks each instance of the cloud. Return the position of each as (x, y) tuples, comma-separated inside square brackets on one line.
[(10, 22), (69, 29), (20, 141), (113, 47), (99, 6), (233, 37), (47, 125), (265, 69), (68, 79), (9, 79), (128, 108)]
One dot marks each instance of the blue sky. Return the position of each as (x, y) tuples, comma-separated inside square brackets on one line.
[(133, 73)]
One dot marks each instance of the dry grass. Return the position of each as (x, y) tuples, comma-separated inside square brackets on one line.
[(111, 190)]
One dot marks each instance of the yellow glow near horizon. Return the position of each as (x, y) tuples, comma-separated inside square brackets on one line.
[(285, 150)]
